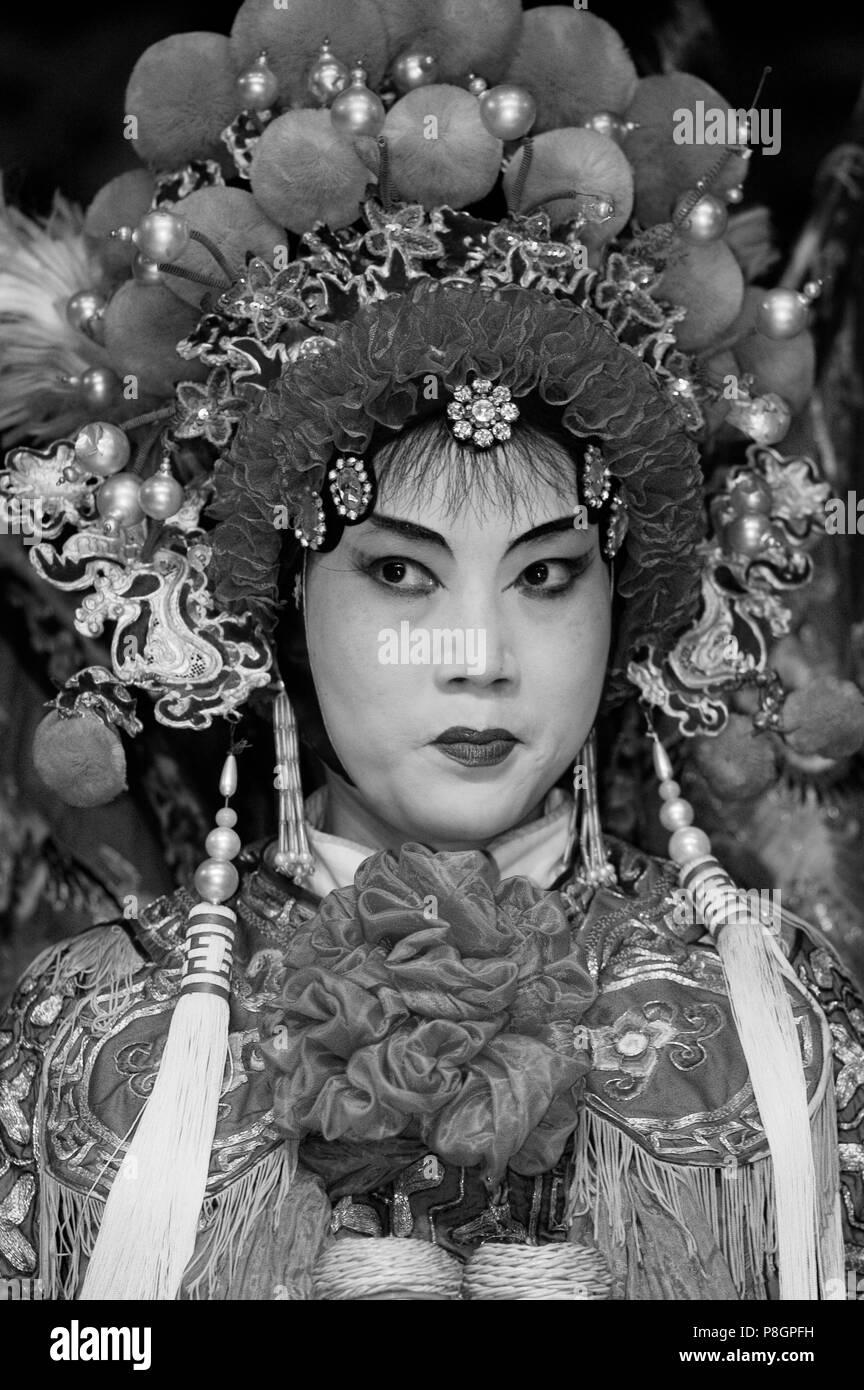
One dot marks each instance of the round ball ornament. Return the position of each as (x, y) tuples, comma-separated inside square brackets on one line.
[(357, 110), (327, 75), (79, 758), (707, 220), (84, 309), (102, 449), (99, 387), (747, 534), (161, 496), (508, 112), (414, 69), (216, 880), (258, 85), (162, 235), (751, 494), (117, 499), (782, 314)]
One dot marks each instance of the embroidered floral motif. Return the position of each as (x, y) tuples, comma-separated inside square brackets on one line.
[(633, 1044), (12, 1092), (14, 1246), (211, 410), (269, 298)]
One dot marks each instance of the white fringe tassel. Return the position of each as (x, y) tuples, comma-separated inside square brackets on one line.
[(754, 967), (148, 1231)]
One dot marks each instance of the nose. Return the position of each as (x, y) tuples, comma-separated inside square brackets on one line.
[(477, 650)]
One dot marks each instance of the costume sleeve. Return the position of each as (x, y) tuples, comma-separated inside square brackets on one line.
[(24, 1031), (824, 975)]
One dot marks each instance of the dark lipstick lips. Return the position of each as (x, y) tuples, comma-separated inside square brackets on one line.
[(460, 734), (476, 747)]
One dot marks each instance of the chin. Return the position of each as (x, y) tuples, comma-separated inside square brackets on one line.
[(462, 817)]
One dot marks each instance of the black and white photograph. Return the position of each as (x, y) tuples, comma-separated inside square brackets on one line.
[(432, 666)]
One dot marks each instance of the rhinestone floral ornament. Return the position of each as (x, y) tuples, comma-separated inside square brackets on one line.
[(596, 478), (481, 414), (350, 488)]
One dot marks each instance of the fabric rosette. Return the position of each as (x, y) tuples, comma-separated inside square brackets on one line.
[(436, 997)]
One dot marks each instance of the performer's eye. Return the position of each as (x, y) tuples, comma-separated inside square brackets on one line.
[(404, 576), (552, 578)]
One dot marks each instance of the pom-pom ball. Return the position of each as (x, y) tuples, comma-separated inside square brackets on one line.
[(785, 366), (143, 325), (233, 221), (581, 161), (182, 94), (705, 280), (825, 718), (663, 168), (293, 35), (739, 762), (304, 171), (121, 202), (79, 758), (467, 36), (573, 63), (440, 151)]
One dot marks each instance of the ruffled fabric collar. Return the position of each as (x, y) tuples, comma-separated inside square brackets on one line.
[(534, 851)]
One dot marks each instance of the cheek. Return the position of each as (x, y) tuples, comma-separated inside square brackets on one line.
[(358, 695), (564, 657)]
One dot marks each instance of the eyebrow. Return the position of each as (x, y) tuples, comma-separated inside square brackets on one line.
[(412, 531)]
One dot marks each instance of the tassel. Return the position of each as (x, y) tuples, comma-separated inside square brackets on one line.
[(754, 968), (596, 867), (148, 1231), (293, 856)]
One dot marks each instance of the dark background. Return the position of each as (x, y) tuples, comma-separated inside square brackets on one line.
[(63, 74)]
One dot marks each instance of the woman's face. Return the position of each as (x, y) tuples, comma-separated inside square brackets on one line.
[(459, 660)]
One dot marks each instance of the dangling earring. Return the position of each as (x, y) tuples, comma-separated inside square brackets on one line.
[(585, 825), (293, 856)]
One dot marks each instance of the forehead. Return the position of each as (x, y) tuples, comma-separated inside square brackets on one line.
[(433, 478)]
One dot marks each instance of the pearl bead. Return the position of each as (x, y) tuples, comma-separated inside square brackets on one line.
[(669, 791), (357, 110), (734, 195), (508, 112), (608, 124), (162, 236), (83, 309), (751, 494), (689, 842), (258, 85), (226, 815), (662, 765), (746, 535), (782, 314), (223, 843), (414, 69), (99, 387), (145, 270), (216, 881), (706, 221), (676, 814), (161, 496), (477, 85), (102, 448), (118, 498)]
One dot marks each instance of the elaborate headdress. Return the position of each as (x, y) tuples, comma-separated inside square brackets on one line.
[(491, 205)]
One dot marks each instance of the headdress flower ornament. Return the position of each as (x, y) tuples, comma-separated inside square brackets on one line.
[(481, 414)]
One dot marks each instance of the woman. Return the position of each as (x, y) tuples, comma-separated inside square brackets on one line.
[(473, 1049)]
